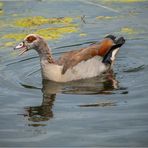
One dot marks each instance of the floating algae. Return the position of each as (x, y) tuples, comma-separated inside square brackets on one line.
[(55, 33), (40, 20), (9, 44), (15, 36), (63, 25), (83, 34), (1, 10), (48, 33), (104, 17), (128, 30)]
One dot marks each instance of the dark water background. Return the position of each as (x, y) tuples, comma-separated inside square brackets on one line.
[(111, 110)]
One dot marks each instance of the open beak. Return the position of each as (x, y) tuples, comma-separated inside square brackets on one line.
[(22, 47)]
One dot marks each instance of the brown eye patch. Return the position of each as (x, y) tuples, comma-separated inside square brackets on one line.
[(30, 39)]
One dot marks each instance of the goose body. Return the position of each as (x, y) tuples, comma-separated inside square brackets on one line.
[(74, 65), (82, 70)]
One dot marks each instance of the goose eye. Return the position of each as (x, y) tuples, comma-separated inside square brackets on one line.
[(21, 44)]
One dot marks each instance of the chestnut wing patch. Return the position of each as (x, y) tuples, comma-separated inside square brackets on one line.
[(72, 58)]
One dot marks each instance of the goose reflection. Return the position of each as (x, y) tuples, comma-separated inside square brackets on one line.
[(105, 84), (42, 112)]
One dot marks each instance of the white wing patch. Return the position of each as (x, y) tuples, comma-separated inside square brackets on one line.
[(114, 53)]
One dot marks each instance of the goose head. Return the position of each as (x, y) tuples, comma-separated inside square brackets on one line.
[(32, 41)]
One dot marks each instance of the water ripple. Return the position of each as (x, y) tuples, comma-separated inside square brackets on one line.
[(136, 69)]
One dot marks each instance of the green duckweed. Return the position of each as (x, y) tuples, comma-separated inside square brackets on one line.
[(55, 33), (15, 36), (104, 17), (1, 10), (40, 20), (48, 33), (128, 30)]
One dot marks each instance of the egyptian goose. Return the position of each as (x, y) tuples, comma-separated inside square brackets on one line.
[(74, 65)]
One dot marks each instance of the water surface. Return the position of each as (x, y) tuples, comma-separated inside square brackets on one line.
[(110, 110)]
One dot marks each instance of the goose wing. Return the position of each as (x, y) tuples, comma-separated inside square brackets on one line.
[(72, 58)]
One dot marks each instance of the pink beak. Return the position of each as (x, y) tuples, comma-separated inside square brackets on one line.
[(21, 46)]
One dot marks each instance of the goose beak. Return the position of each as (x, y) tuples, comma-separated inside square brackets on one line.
[(22, 47)]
